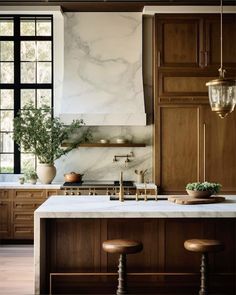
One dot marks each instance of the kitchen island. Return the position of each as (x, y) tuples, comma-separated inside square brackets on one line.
[(69, 232)]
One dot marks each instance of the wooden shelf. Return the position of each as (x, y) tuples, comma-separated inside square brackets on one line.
[(108, 145)]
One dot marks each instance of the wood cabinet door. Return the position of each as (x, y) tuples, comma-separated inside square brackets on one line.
[(218, 146), (212, 27), (176, 147), (178, 40), (5, 219)]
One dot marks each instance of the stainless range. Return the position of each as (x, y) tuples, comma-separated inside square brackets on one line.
[(97, 188)]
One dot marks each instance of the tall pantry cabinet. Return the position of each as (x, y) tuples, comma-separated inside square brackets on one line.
[(191, 142)]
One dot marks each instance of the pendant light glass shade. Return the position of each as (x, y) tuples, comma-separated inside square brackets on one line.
[(222, 95), (222, 91)]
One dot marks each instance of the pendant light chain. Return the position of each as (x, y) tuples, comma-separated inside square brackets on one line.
[(221, 70), (221, 34)]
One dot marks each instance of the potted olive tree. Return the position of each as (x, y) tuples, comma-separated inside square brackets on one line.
[(37, 132)]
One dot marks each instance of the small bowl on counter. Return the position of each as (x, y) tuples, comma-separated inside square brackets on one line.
[(73, 177), (121, 140), (104, 141)]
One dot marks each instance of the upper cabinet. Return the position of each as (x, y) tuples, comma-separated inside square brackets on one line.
[(187, 55), (178, 40), (212, 41), (194, 40)]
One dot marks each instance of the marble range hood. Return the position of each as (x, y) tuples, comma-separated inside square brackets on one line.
[(103, 81)]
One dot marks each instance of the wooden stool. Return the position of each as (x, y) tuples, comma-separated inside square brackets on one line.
[(204, 247), (122, 247)]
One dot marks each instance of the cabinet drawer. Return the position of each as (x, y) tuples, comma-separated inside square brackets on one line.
[(188, 85), (21, 205), (30, 194), (23, 231), (4, 194), (21, 217)]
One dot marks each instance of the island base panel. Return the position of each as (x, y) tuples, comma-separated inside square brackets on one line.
[(77, 264)]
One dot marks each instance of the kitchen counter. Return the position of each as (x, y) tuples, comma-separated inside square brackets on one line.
[(57, 185), (17, 185), (102, 207), (69, 231)]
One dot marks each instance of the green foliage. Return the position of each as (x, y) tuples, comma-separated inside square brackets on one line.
[(30, 174), (36, 132), (204, 186)]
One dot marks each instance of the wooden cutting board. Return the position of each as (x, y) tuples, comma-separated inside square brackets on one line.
[(194, 201)]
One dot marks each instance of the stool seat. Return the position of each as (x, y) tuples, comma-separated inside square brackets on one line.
[(203, 245), (122, 246)]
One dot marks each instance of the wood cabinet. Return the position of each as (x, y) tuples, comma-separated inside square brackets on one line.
[(178, 40), (17, 208), (193, 40), (218, 149), (177, 147), (191, 142), (212, 41), (25, 202), (5, 214), (194, 144), (187, 55)]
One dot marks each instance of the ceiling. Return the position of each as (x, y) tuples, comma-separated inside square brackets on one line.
[(112, 5)]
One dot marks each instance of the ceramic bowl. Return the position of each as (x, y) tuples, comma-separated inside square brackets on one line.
[(104, 141), (199, 194), (120, 140)]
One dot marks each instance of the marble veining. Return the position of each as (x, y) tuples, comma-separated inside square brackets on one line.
[(102, 207), (103, 68)]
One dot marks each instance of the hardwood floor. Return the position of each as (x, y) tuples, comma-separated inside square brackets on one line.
[(16, 270)]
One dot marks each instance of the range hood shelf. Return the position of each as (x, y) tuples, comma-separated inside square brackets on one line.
[(107, 145)]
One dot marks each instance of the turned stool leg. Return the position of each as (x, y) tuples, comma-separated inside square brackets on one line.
[(122, 282), (204, 274)]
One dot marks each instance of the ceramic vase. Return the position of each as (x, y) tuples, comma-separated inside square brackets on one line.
[(46, 173)]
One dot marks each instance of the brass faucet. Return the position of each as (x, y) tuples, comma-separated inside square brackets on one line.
[(121, 192)]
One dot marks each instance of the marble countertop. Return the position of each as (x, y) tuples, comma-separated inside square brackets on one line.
[(102, 207), (17, 185)]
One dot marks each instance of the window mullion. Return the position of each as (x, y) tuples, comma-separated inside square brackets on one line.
[(17, 106)]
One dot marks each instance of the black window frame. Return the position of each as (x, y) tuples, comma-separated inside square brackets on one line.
[(17, 86)]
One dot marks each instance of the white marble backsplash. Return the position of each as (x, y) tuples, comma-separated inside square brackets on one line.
[(103, 68), (97, 163)]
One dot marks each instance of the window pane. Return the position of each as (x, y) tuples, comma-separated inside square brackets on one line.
[(6, 163), (43, 27), (28, 50), (44, 72), (27, 162), (6, 28), (44, 97), (6, 120), (44, 51), (28, 72), (6, 99), (6, 51), (27, 96), (6, 72), (6, 142), (27, 28)]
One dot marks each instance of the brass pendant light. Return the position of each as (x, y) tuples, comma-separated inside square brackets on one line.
[(222, 91)]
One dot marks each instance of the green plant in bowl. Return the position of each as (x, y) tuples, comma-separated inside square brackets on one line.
[(202, 189), (31, 176)]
